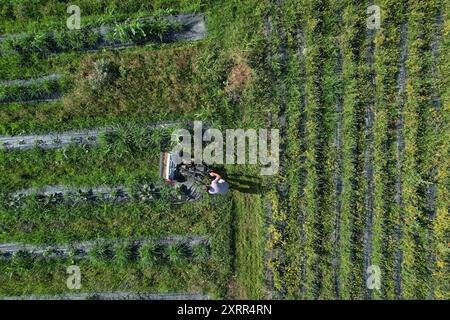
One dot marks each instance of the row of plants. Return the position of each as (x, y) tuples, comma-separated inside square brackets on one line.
[(141, 31), (127, 157), (389, 103), (356, 89), (275, 244), (301, 234), (276, 59), (322, 95), (48, 42), (441, 223), (187, 78), (425, 163), (47, 89), (295, 238), (148, 253), (17, 16)]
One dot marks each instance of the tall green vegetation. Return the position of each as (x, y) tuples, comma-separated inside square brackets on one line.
[(424, 159)]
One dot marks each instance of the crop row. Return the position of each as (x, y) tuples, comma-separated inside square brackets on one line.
[(425, 162), (441, 222), (296, 250), (82, 137), (174, 249), (57, 195), (134, 92), (276, 57), (41, 90), (312, 167), (128, 156), (119, 295), (357, 151), (322, 95), (388, 156), (303, 216), (128, 33)]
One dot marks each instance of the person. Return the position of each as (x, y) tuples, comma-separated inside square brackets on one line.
[(218, 185)]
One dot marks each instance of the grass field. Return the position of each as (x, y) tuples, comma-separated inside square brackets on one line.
[(363, 119)]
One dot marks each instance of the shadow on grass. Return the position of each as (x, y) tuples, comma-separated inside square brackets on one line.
[(244, 183)]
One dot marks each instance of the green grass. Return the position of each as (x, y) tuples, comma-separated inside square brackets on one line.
[(64, 225), (249, 246), (192, 87), (46, 89), (424, 125), (239, 77), (129, 157), (20, 16), (49, 277)]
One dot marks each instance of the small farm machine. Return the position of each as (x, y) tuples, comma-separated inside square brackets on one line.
[(184, 172)]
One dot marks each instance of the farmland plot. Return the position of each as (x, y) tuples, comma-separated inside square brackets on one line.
[(349, 146), (357, 210)]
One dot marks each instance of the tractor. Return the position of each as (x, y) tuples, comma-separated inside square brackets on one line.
[(187, 175)]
